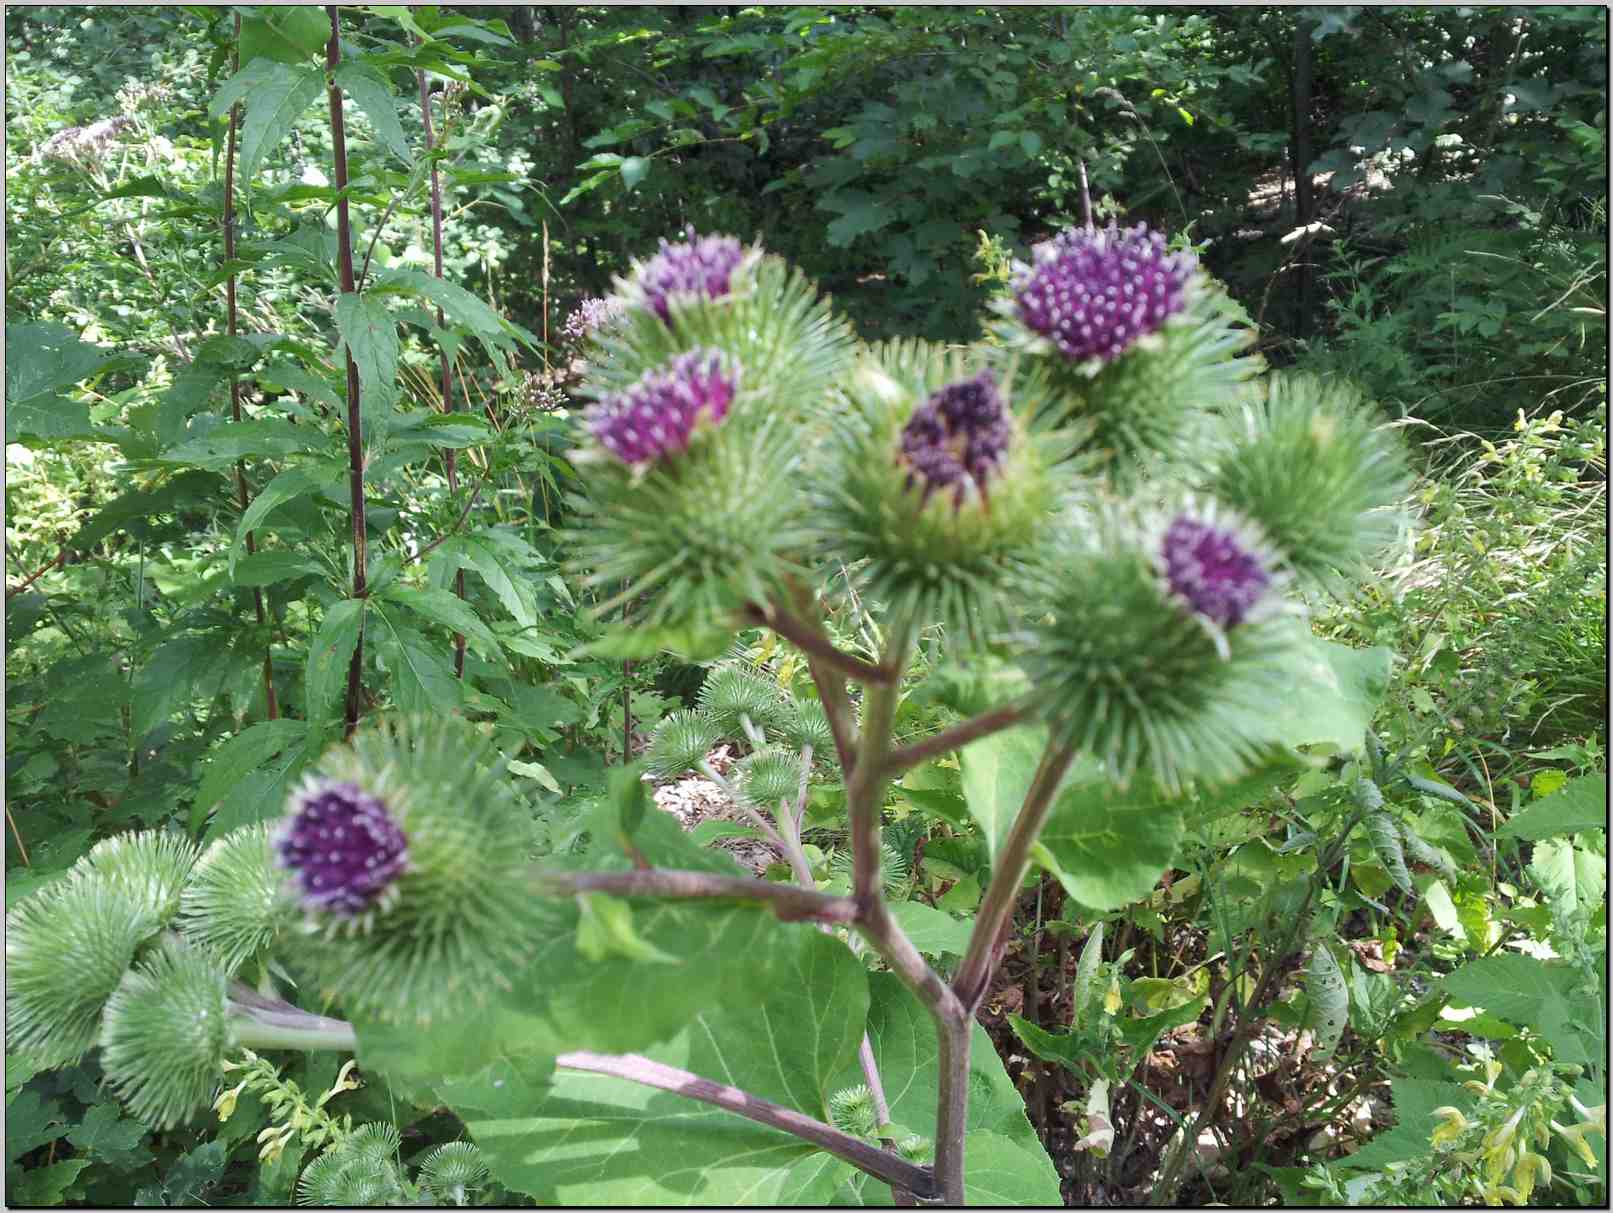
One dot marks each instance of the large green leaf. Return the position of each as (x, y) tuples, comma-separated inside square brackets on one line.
[(1335, 696), (169, 679), (598, 1140), (328, 658), (1537, 994), (371, 335), (475, 552), (42, 362), (369, 89), (1005, 1173), (441, 606), (248, 778), (1109, 848), (1414, 1101), (933, 932), (996, 773), (289, 484), (1580, 804), (275, 96), (423, 678)]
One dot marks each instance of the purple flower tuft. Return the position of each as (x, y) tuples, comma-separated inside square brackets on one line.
[(703, 266), (1209, 567), (589, 316), (1094, 293), (957, 438), (658, 414), (343, 847)]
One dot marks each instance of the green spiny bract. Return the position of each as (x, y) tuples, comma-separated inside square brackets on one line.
[(954, 554), (453, 1172), (1311, 464), (769, 776), (802, 724), (1141, 399), (851, 1110), (165, 1033), (150, 866), (452, 927), (733, 695), (680, 743), (1131, 675), (360, 1169), (232, 905), (67, 948)]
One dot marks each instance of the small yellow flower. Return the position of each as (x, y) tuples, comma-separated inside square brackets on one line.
[(1523, 1175), (1595, 1118), (1501, 1136), (224, 1105), (1453, 1125), (1575, 1136)]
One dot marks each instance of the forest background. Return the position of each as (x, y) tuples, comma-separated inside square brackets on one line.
[(1413, 199)]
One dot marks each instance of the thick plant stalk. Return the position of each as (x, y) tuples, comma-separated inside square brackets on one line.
[(232, 321), (891, 1168), (450, 460), (790, 902), (956, 737), (355, 441)]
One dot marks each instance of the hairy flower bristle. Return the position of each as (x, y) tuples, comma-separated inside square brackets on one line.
[(342, 846), (1210, 569), (658, 415), (700, 267), (1095, 293), (957, 438)]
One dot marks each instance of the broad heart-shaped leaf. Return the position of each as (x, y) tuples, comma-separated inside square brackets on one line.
[(370, 90), (371, 335), (1414, 1101), (1536, 994), (996, 773), (328, 658), (275, 96), (933, 932), (1002, 1172), (598, 1140), (1332, 702), (1580, 804), (1109, 848)]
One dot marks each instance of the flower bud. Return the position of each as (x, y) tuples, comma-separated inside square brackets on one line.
[(231, 905), (165, 1033), (342, 847)]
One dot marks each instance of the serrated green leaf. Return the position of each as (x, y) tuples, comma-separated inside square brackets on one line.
[(168, 680), (112, 1138), (229, 765), (1414, 1101), (1537, 994), (42, 362), (46, 1185), (1086, 972), (1580, 804), (373, 95), (328, 657), (275, 96), (371, 335), (472, 551), (448, 609), (423, 679), (291, 483), (32, 1121)]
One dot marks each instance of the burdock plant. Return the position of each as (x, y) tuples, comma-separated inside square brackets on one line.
[(1111, 498)]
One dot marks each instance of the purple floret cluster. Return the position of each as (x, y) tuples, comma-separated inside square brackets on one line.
[(657, 416), (342, 846), (701, 267), (589, 316), (957, 438), (1213, 571), (1094, 293)]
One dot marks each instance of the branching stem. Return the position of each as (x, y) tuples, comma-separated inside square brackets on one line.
[(813, 642), (790, 902), (955, 737)]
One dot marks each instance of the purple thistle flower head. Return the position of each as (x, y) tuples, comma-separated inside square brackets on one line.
[(957, 438), (1212, 569), (702, 266), (590, 315), (657, 415), (343, 847), (1094, 293)]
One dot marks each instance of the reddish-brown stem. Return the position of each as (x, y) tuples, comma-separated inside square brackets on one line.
[(54, 562), (789, 902), (895, 1171), (450, 459), (815, 644), (955, 737), (355, 440), (232, 314)]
